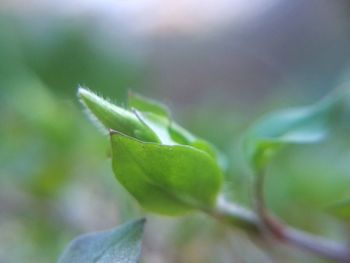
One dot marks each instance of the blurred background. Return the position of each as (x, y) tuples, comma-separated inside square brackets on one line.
[(218, 65)]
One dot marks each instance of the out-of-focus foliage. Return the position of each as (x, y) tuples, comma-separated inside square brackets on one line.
[(310, 124), (119, 245), (341, 209), (56, 181), (46, 189), (136, 101)]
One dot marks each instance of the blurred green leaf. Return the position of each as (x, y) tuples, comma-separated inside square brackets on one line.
[(182, 136), (114, 117), (169, 180), (299, 125), (341, 209), (170, 133), (158, 124), (143, 104), (119, 245)]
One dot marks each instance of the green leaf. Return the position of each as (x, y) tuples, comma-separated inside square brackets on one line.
[(158, 124), (114, 117), (170, 180), (156, 115), (119, 245), (300, 126), (180, 135), (341, 209), (147, 121), (143, 104), (171, 133)]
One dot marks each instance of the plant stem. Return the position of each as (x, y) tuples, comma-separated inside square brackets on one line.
[(236, 215), (318, 245), (262, 222)]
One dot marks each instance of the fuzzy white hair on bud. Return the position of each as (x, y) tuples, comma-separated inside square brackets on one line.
[(84, 92)]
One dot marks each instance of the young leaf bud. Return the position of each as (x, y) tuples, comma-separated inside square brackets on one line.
[(114, 117)]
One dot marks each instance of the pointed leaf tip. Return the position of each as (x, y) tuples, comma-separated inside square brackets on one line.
[(114, 117)]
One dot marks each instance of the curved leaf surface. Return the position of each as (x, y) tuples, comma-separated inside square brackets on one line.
[(165, 179)]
